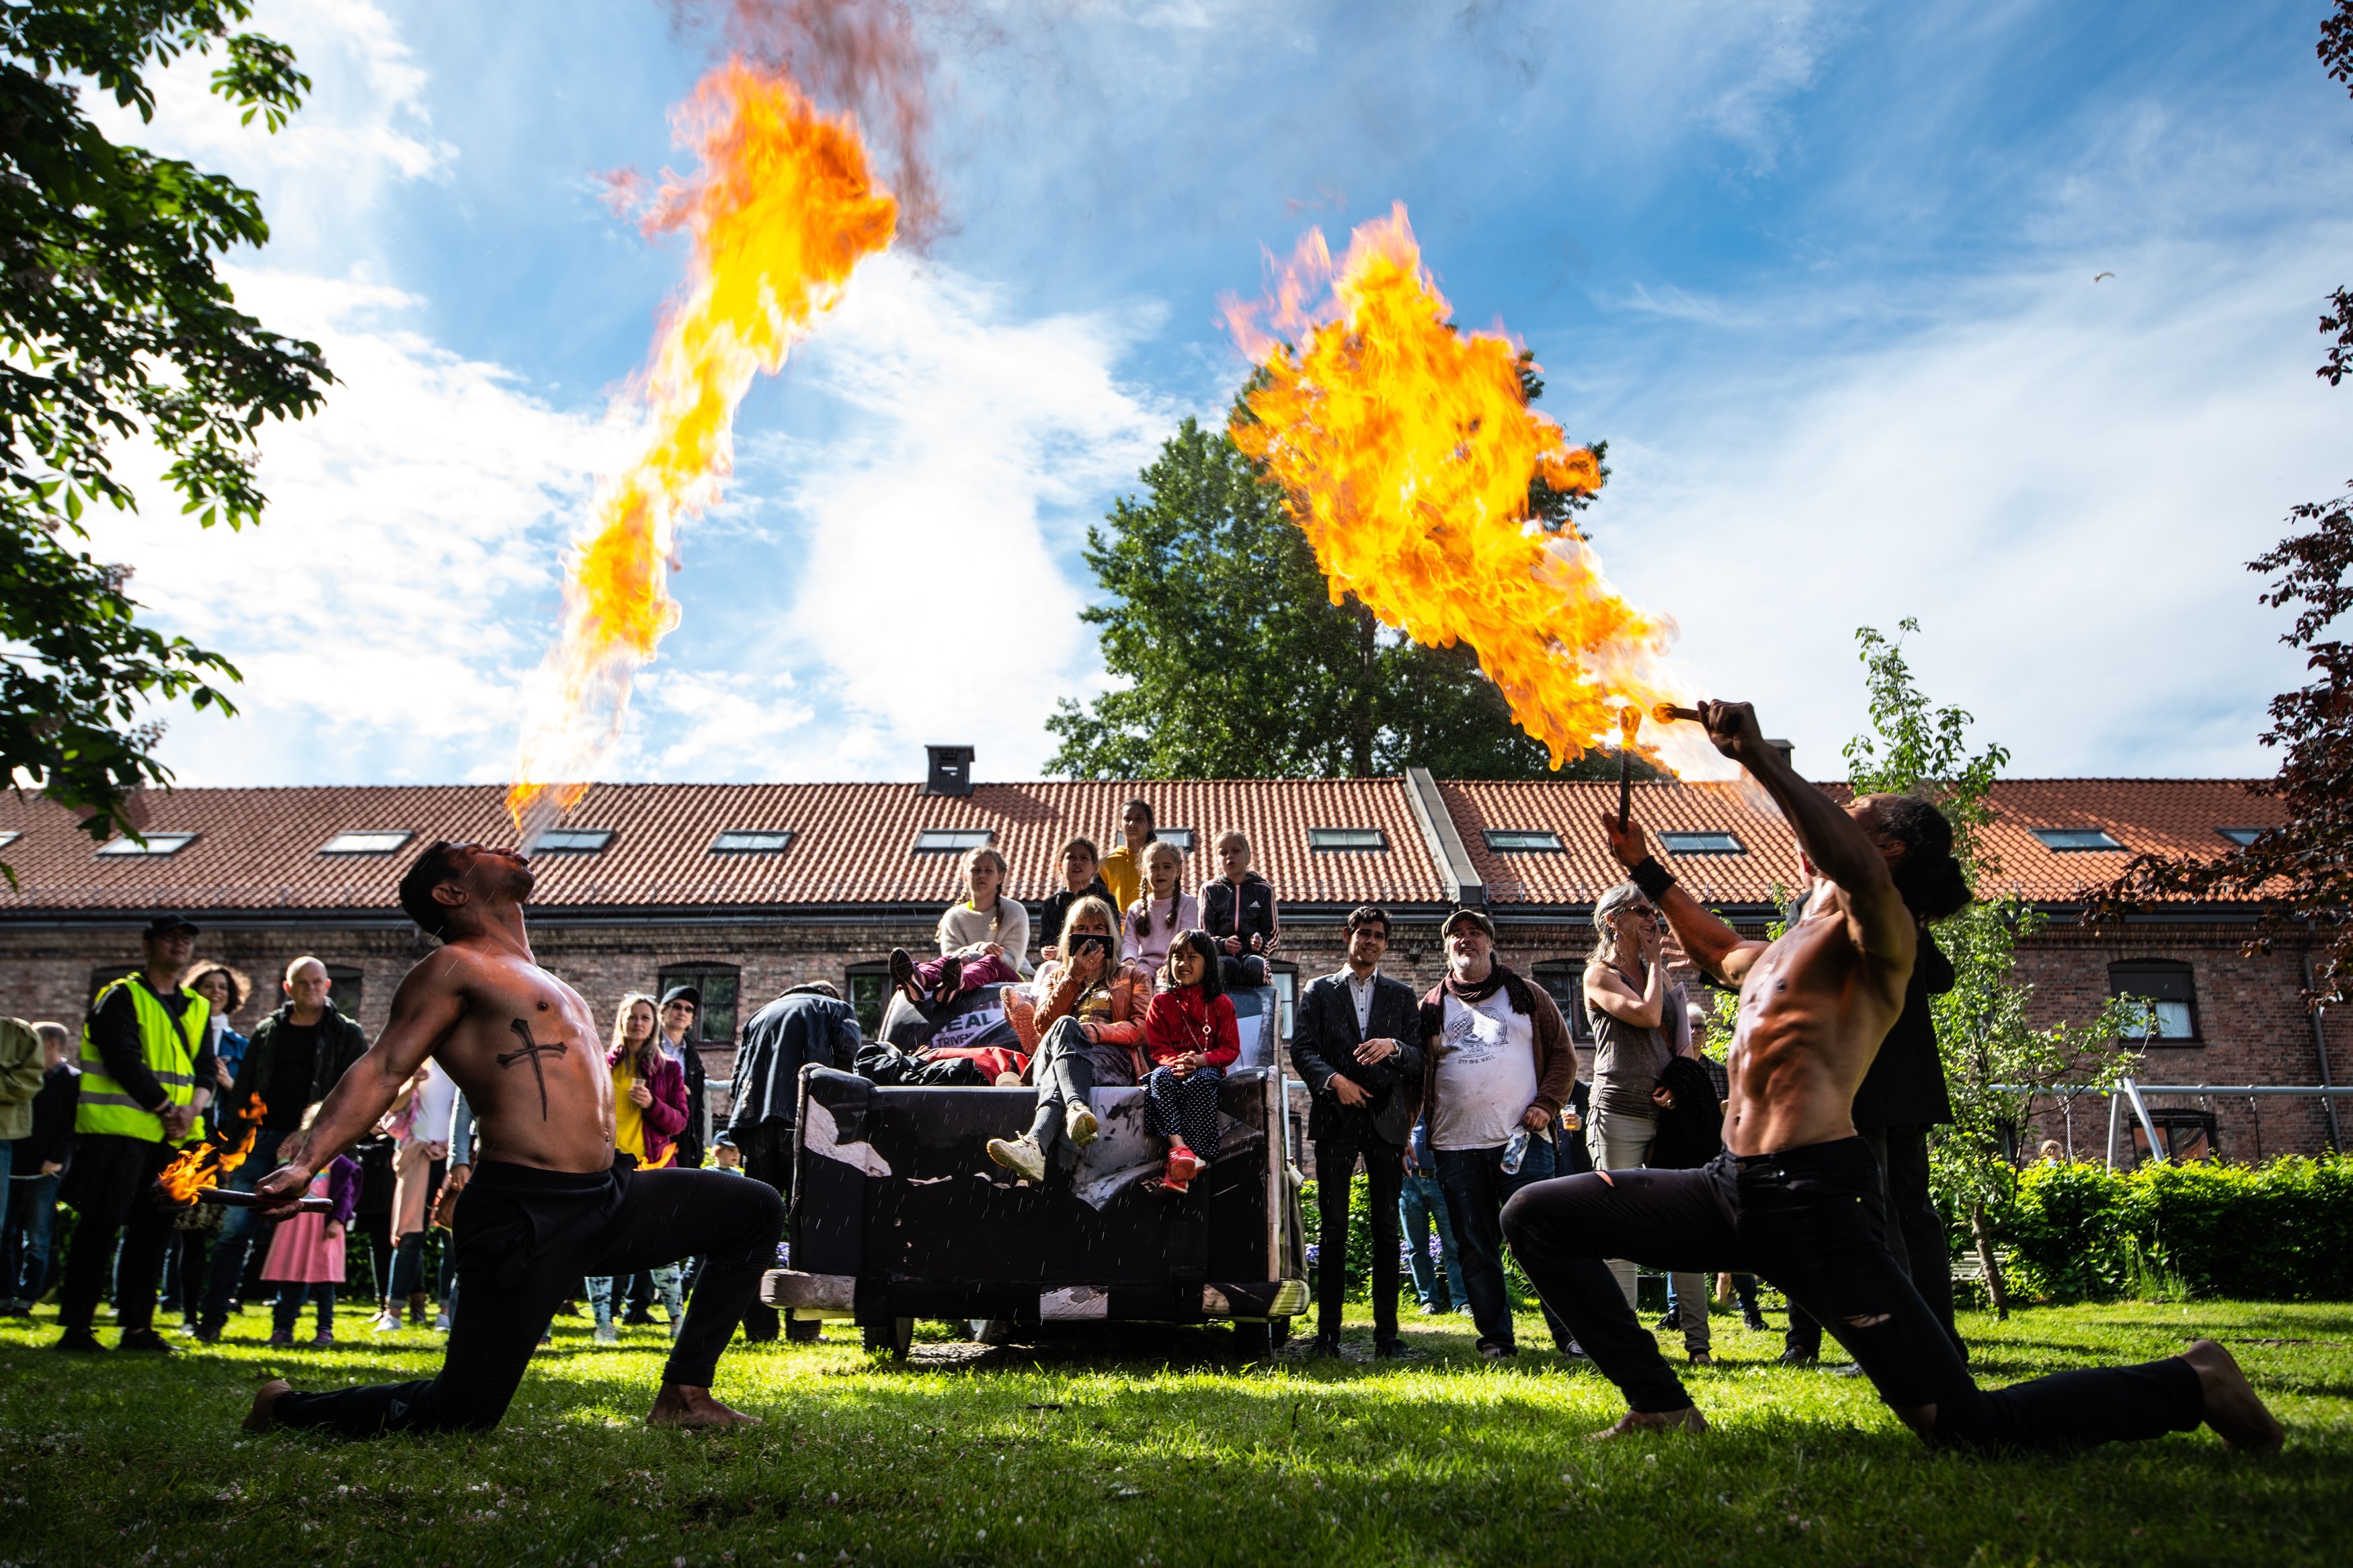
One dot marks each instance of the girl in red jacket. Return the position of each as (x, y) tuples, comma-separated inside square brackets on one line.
[(1189, 1032)]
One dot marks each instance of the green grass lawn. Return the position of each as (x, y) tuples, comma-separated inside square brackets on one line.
[(1152, 1452)]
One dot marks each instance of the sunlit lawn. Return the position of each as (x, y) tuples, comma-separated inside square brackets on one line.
[(1154, 1452)]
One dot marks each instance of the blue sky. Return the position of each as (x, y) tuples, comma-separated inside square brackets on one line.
[(1821, 274)]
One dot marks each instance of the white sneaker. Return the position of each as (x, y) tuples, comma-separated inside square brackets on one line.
[(1019, 1155), (1079, 1122), (607, 1334), (441, 1324), (387, 1323)]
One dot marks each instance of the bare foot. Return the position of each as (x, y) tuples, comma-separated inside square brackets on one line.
[(2232, 1409), (680, 1404), (265, 1401), (1687, 1419)]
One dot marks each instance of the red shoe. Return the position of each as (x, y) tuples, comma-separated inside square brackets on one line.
[(1183, 1166)]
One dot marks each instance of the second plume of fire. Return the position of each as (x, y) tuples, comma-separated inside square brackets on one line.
[(781, 210), (1406, 449)]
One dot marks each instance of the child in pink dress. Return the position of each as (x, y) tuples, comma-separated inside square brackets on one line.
[(306, 1255)]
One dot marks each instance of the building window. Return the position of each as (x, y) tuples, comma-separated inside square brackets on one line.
[(715, 1024), (2189, 1135), (1182, 837), (344, 984), (2075, 840), (753, 841), (106, 975), (951, 840), (870, 994), (573, 841), (156, 843), (1284, 977), (2168, 990), (1523, 841), (1564, 980), (366, 841), (1347, 838), (2242, 836), (1702, 844)]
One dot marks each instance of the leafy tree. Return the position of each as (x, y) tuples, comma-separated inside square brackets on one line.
[(1996, 1061), (1239, 665), (117, 329), (2303, 870)]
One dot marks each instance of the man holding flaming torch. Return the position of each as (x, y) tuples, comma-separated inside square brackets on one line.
[(547, 1204), (1793, 1198)]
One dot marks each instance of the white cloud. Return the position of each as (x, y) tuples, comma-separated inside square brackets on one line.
[(401, 576), (2061, 480)]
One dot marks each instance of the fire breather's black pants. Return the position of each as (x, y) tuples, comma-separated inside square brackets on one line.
[(1807, 1220), (524, 1238)]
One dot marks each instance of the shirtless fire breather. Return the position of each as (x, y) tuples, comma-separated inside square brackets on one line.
[(1792, 1198), (547, 1202)]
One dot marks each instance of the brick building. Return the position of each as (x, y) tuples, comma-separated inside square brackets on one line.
[(747, 889)]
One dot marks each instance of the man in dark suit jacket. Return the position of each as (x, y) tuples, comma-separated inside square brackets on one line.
[(1900, 1098), (1354, 1040)]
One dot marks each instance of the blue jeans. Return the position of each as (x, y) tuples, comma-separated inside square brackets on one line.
[(1476, 1190), (1421, 1208), (237, 1230), (666, 1285), (25, 1237)]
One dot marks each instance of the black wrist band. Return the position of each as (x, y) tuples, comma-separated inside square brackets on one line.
[(1654, 879)]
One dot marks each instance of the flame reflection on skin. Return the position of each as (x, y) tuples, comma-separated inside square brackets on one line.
[(1406, 449), (781, 210)]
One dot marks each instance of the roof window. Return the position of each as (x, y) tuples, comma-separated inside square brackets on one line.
[(1347, 838), (753, 841), (1702, 843), (951, 840), (8, 836), (1182, 837), (573, 841), (1523, 841), (2074, 840), (157, 845), (366, 841), (2242, 836)]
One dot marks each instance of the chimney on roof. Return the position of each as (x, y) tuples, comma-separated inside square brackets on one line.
[(948, 770), (1787, 748)]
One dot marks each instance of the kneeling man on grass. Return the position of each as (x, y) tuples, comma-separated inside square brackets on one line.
[(548, 1203), (1794, 1197)]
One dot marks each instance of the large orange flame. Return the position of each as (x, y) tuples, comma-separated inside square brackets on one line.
[(781, 211), (205, 1162), (1406, 449)]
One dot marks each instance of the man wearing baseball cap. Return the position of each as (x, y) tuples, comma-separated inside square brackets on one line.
[(147, 1074), (1497, 1068)]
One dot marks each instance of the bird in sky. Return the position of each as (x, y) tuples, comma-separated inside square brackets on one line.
[(2097, 276)]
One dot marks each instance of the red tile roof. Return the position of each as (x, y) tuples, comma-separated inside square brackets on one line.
[(259, 848), (2174, 816)]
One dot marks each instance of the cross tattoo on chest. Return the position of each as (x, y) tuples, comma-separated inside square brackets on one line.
[(531, 1050)]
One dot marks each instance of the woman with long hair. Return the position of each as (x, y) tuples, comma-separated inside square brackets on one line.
[(1083, 1021), (648, 1112)]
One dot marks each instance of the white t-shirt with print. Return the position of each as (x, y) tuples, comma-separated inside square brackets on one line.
[(1486, 1073)]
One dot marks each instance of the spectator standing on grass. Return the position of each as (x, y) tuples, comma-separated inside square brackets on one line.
[(1354, 1040), (1421, 1215), (1123, 868), (36, 1161), (1641, 1023), (418, 1128), (1081, 879), (1238, 910), (1901, 1097), (306, 1251), (1499, 1067), (648, 1112), (294, 1059), (225, 990), (681, 1006), (809, 1025), (21, 1076), (146, 1077)]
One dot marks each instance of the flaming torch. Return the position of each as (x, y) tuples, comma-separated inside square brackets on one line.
[(780, 212), (1406, 449), (207, 1162)]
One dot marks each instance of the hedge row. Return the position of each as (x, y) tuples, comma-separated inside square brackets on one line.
[(2277, 1232)]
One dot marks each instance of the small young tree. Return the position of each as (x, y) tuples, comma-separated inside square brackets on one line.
[(1996, 1060)]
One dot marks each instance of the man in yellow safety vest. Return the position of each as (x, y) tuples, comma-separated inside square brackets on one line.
[(146, 1075)]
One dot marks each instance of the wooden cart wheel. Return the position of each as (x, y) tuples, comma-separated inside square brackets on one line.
[(894, 1336)]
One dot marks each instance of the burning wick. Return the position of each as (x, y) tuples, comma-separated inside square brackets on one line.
[(1668, 713), (1630, 719)]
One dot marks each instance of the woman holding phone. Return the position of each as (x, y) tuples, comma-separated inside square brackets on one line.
[(1082, 1022)]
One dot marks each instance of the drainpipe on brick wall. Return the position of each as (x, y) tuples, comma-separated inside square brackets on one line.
[(2319, 1016)]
